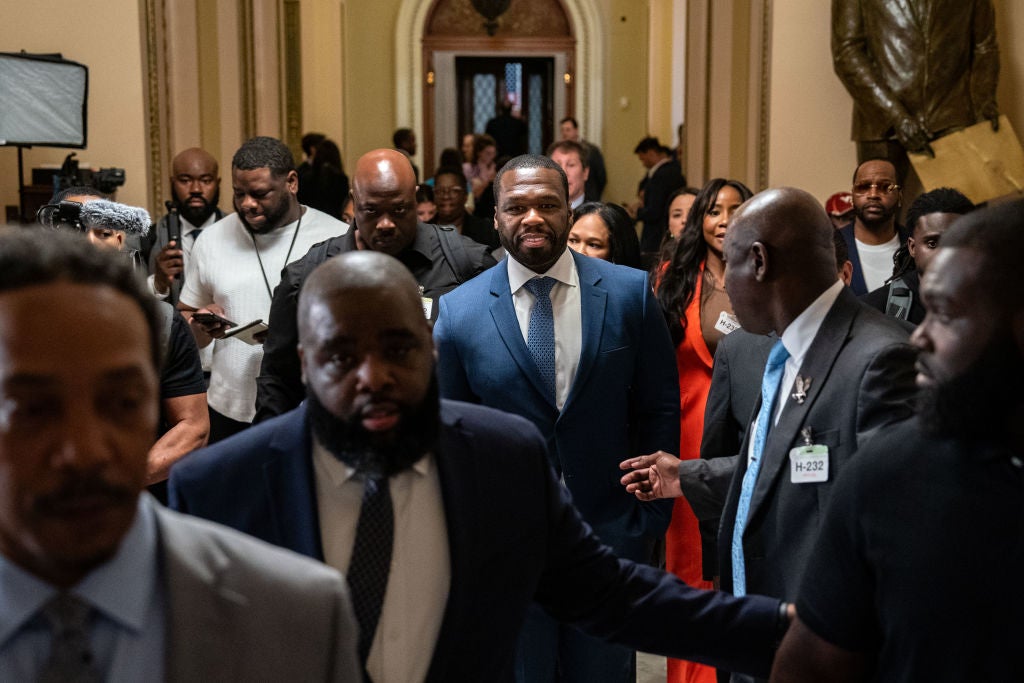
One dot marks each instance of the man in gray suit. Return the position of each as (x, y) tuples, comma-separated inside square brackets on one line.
[(842, 373), (96, 581)]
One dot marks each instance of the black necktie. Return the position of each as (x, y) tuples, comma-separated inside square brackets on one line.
[(371, 560)]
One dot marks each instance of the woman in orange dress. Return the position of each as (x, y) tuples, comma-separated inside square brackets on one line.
[(690, 287)]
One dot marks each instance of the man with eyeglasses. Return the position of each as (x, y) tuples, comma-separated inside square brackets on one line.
[(874, 235)]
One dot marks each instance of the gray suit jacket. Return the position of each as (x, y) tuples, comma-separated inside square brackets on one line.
[(243, 610), (862, 379)]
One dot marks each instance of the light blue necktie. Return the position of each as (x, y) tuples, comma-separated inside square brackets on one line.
[(773, 372), (540, 335)]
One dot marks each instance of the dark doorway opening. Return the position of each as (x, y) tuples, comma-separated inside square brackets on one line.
[(527, 83)]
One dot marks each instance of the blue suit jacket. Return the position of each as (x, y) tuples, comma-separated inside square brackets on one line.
[(624, 401), (513, 536)]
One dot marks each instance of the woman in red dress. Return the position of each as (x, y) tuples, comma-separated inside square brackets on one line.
[(690, 287)]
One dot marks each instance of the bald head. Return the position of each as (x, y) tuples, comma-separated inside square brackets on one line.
[(195, 184), (351, 275), (779, 257), (192, 158), (384, 201), (381, 164)]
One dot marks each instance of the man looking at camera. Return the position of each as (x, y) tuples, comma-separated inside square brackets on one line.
[(195, 195)]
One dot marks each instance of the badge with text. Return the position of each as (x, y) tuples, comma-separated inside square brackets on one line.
[(808, 464), (727, 323), (428, 306)]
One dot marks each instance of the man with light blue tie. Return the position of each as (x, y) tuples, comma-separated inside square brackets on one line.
[(580, 348), (838, 374)]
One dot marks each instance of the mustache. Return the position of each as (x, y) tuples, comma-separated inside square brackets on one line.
[(88, 486)]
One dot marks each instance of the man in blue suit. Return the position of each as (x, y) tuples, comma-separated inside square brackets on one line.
[(479, 526), (579, 347)]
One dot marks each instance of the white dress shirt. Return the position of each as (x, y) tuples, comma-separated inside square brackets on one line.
[(565, 306), (797, 338), (188, 240), (420, 576)]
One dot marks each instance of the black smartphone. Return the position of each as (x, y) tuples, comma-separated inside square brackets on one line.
[(212, 319)]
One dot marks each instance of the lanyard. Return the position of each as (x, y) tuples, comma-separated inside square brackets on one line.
[(263, 271)]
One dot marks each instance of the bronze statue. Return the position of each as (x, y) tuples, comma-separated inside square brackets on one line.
[(916, 70)]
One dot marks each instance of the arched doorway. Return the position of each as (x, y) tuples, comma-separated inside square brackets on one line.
[(534, 37)]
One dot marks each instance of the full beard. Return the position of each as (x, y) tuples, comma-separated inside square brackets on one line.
[(378, 455), (197, 215), (980, 401), (872, 221)]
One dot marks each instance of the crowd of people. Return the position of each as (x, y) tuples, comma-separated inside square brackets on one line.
[(515, 434)]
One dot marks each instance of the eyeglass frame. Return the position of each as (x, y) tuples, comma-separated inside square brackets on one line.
[(865, 187)]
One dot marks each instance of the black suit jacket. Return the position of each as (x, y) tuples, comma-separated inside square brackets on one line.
[(735, 389), (513, 537), (657, 189), (861, 369)]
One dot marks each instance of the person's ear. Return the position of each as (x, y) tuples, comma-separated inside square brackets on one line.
[(759, 260), (912, 247)]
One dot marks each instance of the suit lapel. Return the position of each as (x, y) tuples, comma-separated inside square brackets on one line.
[(288, 477), (202, 612), (817, 366), (503, 311), (593, 301), (461, 509)]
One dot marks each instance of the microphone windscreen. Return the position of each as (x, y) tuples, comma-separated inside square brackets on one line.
[(101, 213)]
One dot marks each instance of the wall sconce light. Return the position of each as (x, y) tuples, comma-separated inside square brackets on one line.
[(491, 10), (430, 78), (567, 77)]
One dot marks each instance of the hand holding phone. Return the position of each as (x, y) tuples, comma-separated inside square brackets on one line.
[(210, 319)]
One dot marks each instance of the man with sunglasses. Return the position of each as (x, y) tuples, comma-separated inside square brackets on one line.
[(874, 235)]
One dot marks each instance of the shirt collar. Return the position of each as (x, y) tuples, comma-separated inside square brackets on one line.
[(652, 169), (564, 270), (800, 333), (187, 227), (121, 588), (339, 472), (423, 244)]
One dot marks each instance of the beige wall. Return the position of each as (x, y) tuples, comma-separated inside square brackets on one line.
[(109, 43), (626, 92)]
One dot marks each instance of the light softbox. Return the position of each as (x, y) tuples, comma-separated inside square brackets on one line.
[(44, 100)]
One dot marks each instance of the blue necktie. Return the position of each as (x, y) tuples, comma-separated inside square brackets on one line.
[(540, 335), (371, 559), (773, 372)]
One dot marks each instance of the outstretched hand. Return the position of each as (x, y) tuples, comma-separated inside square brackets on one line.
[(653, 476)]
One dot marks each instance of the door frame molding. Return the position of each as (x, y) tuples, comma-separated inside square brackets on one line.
[(585, 67)]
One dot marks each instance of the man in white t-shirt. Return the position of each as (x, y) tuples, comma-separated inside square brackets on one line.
[(234, 269), (874, 236)]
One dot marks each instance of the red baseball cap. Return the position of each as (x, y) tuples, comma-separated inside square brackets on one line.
[(839, 204)]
